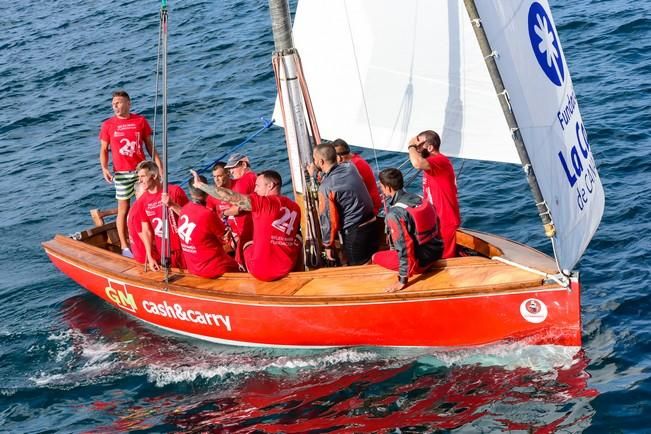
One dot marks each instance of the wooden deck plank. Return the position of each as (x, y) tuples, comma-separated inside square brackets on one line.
[(454, 276)]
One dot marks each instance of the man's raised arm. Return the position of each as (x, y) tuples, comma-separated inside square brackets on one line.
[(224, 194)]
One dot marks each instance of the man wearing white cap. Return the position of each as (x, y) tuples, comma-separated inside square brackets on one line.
[(244, 183)]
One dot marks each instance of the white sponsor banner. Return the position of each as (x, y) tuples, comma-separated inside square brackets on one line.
[(534, 70)]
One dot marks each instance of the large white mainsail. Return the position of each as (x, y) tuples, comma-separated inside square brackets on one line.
[(380, 71), (534, 71)]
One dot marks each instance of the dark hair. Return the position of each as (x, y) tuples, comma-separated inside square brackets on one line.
[(194, 191), (327, 152), (391, 177), (121, 93), (218, 165), (273, 176), (341, 143), (431, 138)]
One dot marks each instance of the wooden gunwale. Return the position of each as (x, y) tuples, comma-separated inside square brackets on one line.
[(307, 287)]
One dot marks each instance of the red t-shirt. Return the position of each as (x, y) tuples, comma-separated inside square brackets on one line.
[(201, 234), (242, 224), (368, 177), (440, 189), (135, 217), (216, 205), (125, 137), (275, 243), (153, 209)]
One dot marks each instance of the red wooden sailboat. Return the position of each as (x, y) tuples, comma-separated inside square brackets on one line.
[(502, 291)]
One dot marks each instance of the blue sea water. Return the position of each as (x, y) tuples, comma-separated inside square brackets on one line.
[(71, 363)]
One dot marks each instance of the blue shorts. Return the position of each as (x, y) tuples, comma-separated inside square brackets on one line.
[(124, 184)]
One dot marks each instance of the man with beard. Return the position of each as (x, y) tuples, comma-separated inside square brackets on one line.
[(439, 185)]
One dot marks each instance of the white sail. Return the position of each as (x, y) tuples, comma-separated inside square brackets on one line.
[(534, 70), (381, 71)]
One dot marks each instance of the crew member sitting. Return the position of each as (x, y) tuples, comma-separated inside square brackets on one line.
[(221, 177), (201, 235), (346, 206), (135, 219), (413, 229), (276, 242), (242, 181), (151, 205), (344, 155)]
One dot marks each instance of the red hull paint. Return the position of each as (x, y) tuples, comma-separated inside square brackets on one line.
[(435, 322)]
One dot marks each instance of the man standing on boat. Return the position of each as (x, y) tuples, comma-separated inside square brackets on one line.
[(411, 221), (439, 186), (150, 205), (201, 233), (344, 206), (124, 134), (345, 155), (276, 242)]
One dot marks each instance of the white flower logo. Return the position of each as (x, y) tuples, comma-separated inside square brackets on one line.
[(546, 45)]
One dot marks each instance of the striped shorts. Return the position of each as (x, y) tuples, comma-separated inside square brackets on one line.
[(124, 182)]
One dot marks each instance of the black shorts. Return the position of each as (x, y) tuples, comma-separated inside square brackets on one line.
[(360, 242)]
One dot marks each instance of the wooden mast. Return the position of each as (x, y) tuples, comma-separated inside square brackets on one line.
[(301, 133)]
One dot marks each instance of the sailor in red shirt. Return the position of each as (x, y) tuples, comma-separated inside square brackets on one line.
[(124, 134), (243, 182), (222, 178), (276, 243), (151, 204), (439, 186), (364, 169), (201, 238), (135, 218)]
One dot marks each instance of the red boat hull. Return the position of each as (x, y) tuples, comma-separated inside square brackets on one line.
[(550, 315)]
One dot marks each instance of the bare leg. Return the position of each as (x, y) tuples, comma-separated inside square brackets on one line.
[(121, 222)]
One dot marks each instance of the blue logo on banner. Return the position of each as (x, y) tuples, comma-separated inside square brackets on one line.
[(545, 44)]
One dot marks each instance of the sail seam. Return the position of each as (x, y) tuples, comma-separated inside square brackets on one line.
[(361, 86)]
